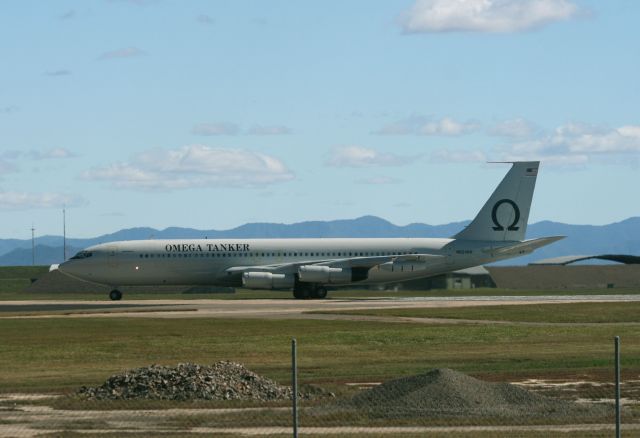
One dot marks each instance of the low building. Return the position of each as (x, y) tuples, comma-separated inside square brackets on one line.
[(558, 273), (551, 277), (469, 278)]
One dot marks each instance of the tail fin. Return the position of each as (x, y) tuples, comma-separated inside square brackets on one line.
[(504, 216)]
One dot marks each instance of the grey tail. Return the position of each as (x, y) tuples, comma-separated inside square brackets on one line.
[(504, 216)]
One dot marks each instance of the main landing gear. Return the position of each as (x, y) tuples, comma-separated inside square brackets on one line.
[(115, 295), (303, 292)]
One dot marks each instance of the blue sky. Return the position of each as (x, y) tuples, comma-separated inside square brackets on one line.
[(211, 114)]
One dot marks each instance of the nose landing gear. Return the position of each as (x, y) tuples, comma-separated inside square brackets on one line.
[(115, 295)]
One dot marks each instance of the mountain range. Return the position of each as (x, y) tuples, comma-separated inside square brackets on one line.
[(616, 238)]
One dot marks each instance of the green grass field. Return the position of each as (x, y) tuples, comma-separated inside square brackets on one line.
[(58, 355), (45, 355), (14, 279)]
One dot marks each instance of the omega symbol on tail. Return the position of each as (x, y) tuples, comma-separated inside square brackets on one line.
[(494, 215)]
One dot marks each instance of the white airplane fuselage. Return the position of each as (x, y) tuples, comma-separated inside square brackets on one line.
[(206, 261)]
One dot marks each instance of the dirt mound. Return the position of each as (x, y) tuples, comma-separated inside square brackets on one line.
[(444, 392), (220, 381)]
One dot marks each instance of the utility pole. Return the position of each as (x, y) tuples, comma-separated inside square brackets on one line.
[(617, 377), (64, 233), (33, 246), (294, 385)]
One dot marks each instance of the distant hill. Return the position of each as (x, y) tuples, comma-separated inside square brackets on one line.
[(44, 255), (617, 238)]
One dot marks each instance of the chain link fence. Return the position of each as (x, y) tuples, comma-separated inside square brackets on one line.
[(227, 399)]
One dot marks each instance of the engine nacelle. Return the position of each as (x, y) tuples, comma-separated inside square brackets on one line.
[(405, 266), (266, 280), (324, 274)]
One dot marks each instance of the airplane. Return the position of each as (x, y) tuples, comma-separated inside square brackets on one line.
[(309, 266)]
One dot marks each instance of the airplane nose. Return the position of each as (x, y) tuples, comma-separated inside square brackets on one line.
[(62, 267), (69, 268)]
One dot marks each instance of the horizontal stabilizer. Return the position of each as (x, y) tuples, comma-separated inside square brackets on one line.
[(525, 247)]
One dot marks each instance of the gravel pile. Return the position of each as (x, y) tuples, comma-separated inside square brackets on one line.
[(220, 381), (444, 393)]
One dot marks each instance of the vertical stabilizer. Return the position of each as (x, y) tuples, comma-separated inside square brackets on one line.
[(504, 216)]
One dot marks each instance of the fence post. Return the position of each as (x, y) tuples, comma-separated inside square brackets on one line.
[(294, 386), (617, 365)]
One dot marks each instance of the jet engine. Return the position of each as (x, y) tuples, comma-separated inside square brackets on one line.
[(324, 274), (266, 280)]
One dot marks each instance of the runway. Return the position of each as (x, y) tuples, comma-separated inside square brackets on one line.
[(270, 308), (65, 307)]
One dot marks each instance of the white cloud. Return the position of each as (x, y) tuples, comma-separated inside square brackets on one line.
[(30, 201), (217, 128), (51, 154), (458, 156), (269, 130), (193, 166), (126, 52), (574, 143), (419, 125), (448, 126), (514, 128), (358, 156), (485, 15)]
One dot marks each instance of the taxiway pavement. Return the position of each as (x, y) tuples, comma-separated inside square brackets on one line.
[(271, 308)]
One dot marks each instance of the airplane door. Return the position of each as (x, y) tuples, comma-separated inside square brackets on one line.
[(449, 255), (112, 256)]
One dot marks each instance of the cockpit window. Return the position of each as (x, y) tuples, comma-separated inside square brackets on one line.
[(82, 255)]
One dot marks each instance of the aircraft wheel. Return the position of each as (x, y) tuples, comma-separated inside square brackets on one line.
[(320, 293), (301, 293), (115, 295)]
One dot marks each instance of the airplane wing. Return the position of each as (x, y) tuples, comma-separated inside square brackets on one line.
[(351, 262)]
